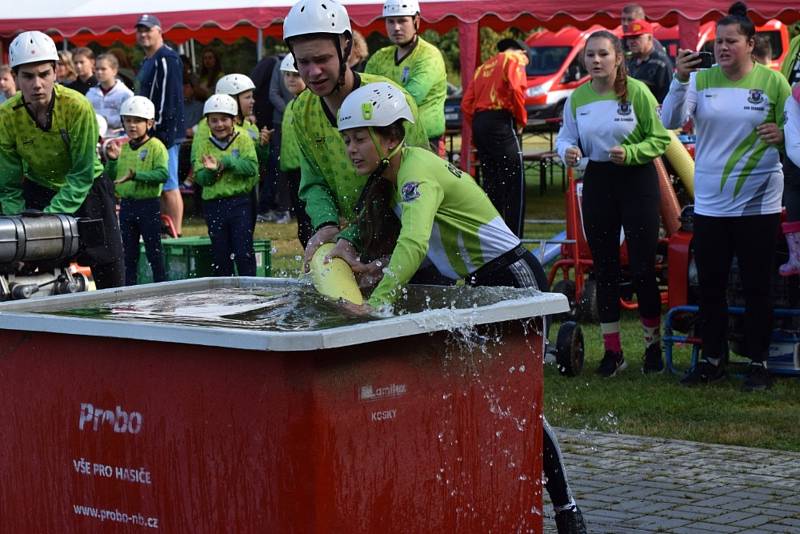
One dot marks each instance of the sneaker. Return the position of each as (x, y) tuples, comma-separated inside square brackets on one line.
[(758, 378), (570, 521), (652, 361), (283, 218), (612, 362), (268, 216), (704, 372)]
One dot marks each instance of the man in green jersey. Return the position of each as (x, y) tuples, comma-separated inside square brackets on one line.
[(49, 134), (415, 64), (318, 33)]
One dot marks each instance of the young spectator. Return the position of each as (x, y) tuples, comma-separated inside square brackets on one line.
[(611, 125), (109, 94), (290, 152), (125, 70), (790, 68), (647, 63), (737, 108), (65, 68), (83, 59), (240, 87), (210, 70), (359, 54), (60, 177), (494, 103), (226, 166), (414, 64), (791, 228), (762, 49), (443, 216), (160, 79), (8, 87), (329, 184), (139, 169)]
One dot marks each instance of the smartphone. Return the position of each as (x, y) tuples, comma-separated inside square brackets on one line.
[(706, 60)]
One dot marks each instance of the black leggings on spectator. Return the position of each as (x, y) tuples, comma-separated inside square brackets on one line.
[(752, 240), (791, 190), (614, 197)]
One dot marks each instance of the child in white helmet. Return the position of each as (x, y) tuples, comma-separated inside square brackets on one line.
[(416, 206), (226, 165), (139, 170), (241, 89)]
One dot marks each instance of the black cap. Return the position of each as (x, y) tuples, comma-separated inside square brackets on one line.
[(511, 44), (148, 21)]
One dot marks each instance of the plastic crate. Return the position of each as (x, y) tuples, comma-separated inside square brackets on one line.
[(190, 257)]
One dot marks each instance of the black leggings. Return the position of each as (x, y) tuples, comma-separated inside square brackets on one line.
[(791, 190), (752, 240), (520, 268), (614, 197), (502, 171)]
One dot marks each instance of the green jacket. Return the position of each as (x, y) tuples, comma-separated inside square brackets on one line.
[(423, 74), (148, 161), (240, 167), (62, 157)]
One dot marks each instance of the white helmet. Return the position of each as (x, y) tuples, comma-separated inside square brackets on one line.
[(316, 16), (287, 63), (102, 125), (221, 104), (234, 84), (374, 104), (138, 106), (31, 47), (400, 8)]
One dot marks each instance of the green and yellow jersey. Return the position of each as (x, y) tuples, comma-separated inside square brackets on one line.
[(444, 216), (290, 151), (148, 161), (62, 156), (423, 74), (247, 127)]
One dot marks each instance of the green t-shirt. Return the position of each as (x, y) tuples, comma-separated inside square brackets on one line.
[(247, 127), (444, 216), (423, 74), (148, 161), (329, 184), (290, 151), (240, 166), (62, 157)]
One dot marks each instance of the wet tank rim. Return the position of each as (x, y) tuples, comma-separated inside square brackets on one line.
[(36, 316)]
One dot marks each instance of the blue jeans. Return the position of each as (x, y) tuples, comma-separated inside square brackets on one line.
[(172, 165), (230, 228), (141, 217)]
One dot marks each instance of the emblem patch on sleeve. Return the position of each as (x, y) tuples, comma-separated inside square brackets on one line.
[(410, 191)]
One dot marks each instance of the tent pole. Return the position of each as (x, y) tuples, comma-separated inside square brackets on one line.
[(259, 44), (468, 48)]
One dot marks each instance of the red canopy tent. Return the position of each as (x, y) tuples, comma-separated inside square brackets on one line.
[(82, 21)]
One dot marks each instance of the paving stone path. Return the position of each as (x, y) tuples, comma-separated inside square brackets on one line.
[(627, 484)]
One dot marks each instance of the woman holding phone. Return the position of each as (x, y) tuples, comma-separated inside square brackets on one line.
[(737, 106)]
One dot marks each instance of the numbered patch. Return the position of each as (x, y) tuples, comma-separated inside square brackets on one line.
[(410, 191)]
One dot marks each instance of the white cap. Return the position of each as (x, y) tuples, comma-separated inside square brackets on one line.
[(234, 84), (138, 106), (287, 63), (31, 47), (400, 8), (374, 104), (221, 104), (316, 16)]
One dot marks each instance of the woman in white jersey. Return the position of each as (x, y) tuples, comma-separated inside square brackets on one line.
[(611, 125), (416, 206), (737, 107)]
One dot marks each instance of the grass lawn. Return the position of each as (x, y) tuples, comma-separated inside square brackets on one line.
[(630, 403)]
